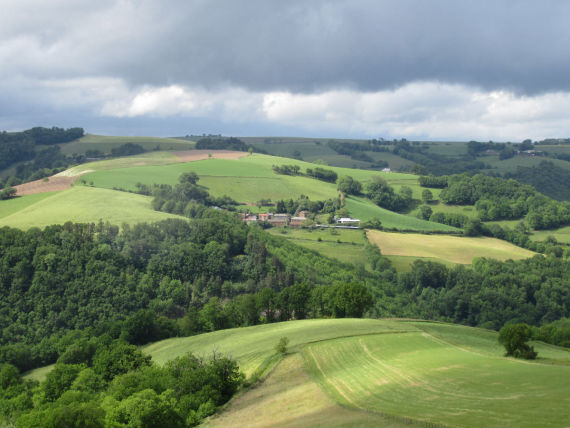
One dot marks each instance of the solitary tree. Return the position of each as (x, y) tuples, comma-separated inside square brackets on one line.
[(514, 337), (281, 346)]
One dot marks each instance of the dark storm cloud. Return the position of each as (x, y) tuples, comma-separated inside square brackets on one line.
[(294, 45), (368, 45)]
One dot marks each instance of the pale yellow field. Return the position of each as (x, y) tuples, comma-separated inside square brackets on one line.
[(452, 249), (290, 398)]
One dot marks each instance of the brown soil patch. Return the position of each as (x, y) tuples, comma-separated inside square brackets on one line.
[(52, 184), (194, 155)]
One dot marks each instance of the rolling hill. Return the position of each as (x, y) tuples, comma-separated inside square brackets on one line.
[(384, 371)]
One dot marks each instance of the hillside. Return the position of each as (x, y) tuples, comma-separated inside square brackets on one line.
[(380, 370)]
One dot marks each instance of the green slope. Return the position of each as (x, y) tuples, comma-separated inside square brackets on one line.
[(406, 370), (251, 178), (84, 204)]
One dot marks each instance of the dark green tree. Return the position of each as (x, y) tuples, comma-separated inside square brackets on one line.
[(514, 338)]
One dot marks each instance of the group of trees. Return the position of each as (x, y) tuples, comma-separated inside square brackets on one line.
[(186, 198), (221, 143), (22, 146), (382, 194), (498, 198), (111, 383), (322, 174)]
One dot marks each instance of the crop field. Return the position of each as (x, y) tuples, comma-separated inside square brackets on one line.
[(106, 143), (433, 378), (345, 245), (468, 210), (448, 248), (81, 204)]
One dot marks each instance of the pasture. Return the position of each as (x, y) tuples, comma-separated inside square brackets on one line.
[(251, 178), (452, 249), (80, 204), (561, 235), (345, 245)]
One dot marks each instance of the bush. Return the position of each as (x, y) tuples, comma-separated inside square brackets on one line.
[(281, 347)]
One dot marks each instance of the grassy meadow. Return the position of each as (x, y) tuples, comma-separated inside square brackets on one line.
[(251, 178), (452, 249), (377, 372), (81, 204), (345, 245), (427, 377)]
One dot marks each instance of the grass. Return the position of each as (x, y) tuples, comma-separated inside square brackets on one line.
[(452, 249), (252, 178), (404, 263), (366, 210), (348, 246), (84, 204), (12, 206), (251, 346), (562, 235), (363, 372), (433, 378), (289, 397), (106, 143)]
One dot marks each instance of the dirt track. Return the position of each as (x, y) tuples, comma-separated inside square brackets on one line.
[(53, 184), (194, 155)]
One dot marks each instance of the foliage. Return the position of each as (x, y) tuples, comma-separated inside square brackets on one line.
[(286, 169), (281, 347), (349, 186), (127, 149), (322, 174), (514, 338), (219, 143), (383, 195)]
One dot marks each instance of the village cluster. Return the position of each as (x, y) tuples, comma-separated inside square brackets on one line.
[(285, 219)]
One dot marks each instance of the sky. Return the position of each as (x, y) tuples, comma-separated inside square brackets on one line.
[(428, 70)]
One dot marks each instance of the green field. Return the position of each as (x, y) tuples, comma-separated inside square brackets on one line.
[(561, 235), (441, 378), (384, 371), (345, 245), (106, 143), (82, 204), (452, 249), (12, 206), (251, 178)]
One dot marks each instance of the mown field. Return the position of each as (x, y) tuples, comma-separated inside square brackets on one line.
[(384, 372), (79, 204), (454, 380), (561, 235), (452, 249)]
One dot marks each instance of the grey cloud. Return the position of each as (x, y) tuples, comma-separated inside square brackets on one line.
[(297, 45)]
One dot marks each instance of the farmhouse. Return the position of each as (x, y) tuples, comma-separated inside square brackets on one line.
[(279, 219), (348, 220), (386, 170), (297, 221)]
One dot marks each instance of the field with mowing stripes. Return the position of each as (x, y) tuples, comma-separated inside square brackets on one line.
[(452, 249), (384, 372), (426, 377)]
